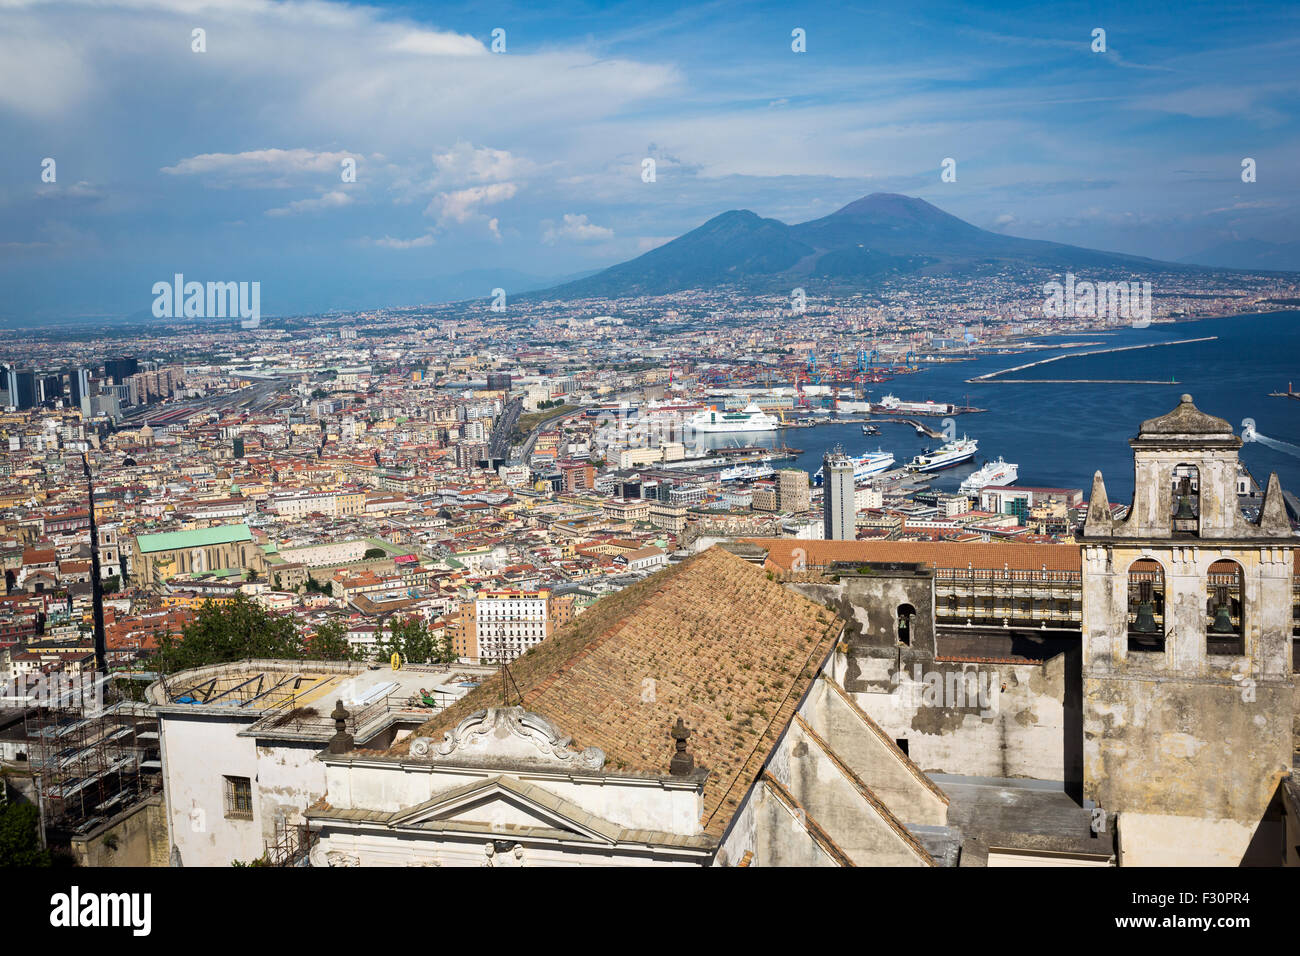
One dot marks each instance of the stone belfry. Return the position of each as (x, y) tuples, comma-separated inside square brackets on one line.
[(1187, 619)]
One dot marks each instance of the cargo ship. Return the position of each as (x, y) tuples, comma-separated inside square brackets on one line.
[(946, 456), (751, 418), (872, 463), (994, 473)]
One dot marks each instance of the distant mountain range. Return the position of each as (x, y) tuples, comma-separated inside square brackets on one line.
[(1252, 254), (881, 235)]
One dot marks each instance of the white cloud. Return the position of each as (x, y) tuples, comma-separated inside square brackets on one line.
[(336, 199), (462, 205), (262, 167), (389, 242), (578, 228), (466, 163)]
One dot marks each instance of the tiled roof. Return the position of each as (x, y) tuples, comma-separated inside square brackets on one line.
[(713, 640), (935, 554)]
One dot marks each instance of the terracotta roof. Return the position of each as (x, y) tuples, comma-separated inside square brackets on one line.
[(935, 554), (684, 642)]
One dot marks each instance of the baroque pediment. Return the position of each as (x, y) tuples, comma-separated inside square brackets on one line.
[(507, 737)]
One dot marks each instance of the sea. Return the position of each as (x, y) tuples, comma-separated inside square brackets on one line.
[(1060, 433)]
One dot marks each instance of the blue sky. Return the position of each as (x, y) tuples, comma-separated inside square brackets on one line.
[(225, 165)]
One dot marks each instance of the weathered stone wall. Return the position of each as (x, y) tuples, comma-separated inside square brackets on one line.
[(135, 837), (874, 760), (982, 719), (1183, 734)]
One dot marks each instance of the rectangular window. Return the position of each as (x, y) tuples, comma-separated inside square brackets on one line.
[(239, 798)]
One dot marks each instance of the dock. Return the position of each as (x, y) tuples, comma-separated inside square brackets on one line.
[(997, 376), (1287, 394)]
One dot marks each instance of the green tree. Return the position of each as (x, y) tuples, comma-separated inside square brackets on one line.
[(112, 584), (374, 553), (230, 632), (330, 643), (20, 843), (411, 638)]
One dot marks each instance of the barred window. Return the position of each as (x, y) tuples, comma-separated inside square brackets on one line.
[(239, 798)]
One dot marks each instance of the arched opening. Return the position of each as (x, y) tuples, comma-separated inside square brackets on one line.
[(906, 615), (1146, 606), (1186, 500), (1224, 608)]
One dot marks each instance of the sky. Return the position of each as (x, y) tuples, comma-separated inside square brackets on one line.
[(228, 164)]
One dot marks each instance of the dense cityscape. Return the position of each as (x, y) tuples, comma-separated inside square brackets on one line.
[(848, 534)]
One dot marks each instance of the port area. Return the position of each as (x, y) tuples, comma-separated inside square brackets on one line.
[(996, 377), (1287, 394)]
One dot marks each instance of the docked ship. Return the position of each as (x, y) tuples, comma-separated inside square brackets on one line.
[(893, 405), (946, 456), (994, 473), (762, 469), (751, 418), (872, 463)]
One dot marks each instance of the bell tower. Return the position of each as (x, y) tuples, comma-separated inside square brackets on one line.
[(1187, 620)]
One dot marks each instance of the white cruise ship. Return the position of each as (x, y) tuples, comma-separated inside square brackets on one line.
[(762, 469), (751, 418), (946, 456), (994, 473), (872, 463)]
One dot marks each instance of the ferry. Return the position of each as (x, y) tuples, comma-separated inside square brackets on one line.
[(761, 469), (893, 405), (872, 463), (946, 456), (994, 473), (751, 418)]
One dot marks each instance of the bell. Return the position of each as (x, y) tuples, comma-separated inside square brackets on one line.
[(1146, 619), (1146, 612), (1185, 511), (1222, 614)]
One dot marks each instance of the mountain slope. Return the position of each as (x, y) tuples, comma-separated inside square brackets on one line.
[(873, 237)]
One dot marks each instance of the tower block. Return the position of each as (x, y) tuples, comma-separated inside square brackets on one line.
[(1188, 690)]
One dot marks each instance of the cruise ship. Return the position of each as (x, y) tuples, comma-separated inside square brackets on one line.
[(953, 453), (994, 473), (751, 418), (872, 463)]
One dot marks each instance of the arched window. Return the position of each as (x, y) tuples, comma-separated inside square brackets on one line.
[(1224, 610), (1146, 606), (1186, 501), (906, 614)]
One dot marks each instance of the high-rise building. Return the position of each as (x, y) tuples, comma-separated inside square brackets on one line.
[(839, 509), (49, 388), (79, 386), (119, 370), (21, 386), (792, 490)]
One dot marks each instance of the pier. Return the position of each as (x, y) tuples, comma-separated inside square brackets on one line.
[(997, 376), (1287, 394)]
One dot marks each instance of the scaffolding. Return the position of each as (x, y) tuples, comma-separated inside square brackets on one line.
[(92, 757)]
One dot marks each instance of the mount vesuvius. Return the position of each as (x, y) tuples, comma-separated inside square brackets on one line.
[(881, 235)]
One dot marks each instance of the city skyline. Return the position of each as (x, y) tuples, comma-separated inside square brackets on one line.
[(230, 164)]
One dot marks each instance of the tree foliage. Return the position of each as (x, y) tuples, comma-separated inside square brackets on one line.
[(330, 643), (233, 631), (415, 642), (20, 843)]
